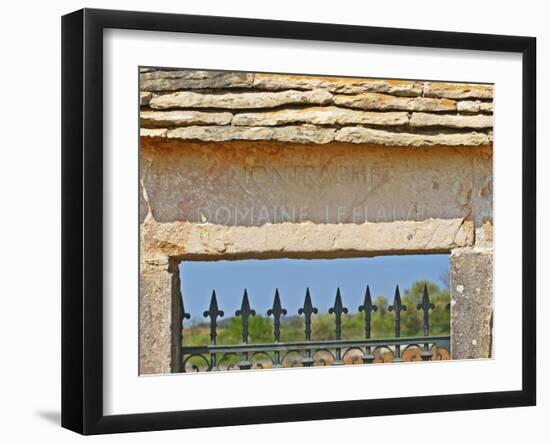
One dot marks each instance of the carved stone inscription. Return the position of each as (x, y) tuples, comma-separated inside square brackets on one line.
[(255, 183)]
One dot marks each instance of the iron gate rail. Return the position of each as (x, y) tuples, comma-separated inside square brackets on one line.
[(307, 352)]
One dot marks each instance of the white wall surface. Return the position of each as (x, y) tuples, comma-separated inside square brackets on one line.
[(30, 218)]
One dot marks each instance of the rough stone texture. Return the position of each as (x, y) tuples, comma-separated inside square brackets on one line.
[(240, 100), (471, 303), (457, 90), (173, 80), (303, 240), (482, 199), (474, 106), (392, 138), (291, 134), (452, 121), (146, 132), (179, 98), (184, 118), (342, 85), (329, 115), (385, 102), (159, 313), (255, 183), (486, 107), (144, 98)]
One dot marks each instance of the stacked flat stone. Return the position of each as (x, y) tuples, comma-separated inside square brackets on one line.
[(223, 106)]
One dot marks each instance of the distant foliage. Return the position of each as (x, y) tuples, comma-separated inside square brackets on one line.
[(353, 325)]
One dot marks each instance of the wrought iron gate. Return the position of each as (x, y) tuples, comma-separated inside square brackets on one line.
[(310, 352)]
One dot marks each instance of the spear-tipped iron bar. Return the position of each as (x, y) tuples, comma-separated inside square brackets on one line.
[(307, 310), (308, 347), (397, 307)]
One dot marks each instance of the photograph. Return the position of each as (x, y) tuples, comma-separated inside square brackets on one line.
[(291, 220)]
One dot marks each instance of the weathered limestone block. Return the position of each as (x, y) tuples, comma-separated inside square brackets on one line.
[(457, 90), (480, 121), (201, 240), (390, 138), (172, 80), (147, 132), (184, 118), (474, 106), (471, 303), (159, 313), (240, 100), (277, 82), (253, 183), (482, 198), (385, 102), (144, 98), (328, 115), (291, 134)]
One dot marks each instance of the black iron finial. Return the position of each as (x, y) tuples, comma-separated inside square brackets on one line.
[(307, 311), (277, 311), (213, 312), (367, 307), (338, 310), (397, 307), (245, 312), (425, 305)]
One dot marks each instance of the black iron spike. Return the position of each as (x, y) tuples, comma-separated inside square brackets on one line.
[(397, 307), (277, 311), (307, 311), (245, 312), (425, 305), (338, 309), (367, 307), (213, 312)]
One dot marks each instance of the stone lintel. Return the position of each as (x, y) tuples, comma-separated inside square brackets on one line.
[(304, 240)]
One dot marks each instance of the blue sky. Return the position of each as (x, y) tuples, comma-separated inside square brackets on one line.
[(293, 276)]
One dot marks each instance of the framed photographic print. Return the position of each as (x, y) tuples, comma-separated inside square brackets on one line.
[(271, 221)]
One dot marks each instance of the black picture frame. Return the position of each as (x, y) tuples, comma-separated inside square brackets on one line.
[(82, 220)]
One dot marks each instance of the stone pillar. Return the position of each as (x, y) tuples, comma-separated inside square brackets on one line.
[(471, 302), (160, 310)]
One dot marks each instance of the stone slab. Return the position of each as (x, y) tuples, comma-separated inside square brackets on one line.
[(479, 121), (471, 303), (256, 183), (361, 135), (173, 80), (303, 240), (291, 134), (159, 313), (457, 90), (328, 115), (343, 85), (240, 100), (385, 102), (184, 118)]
